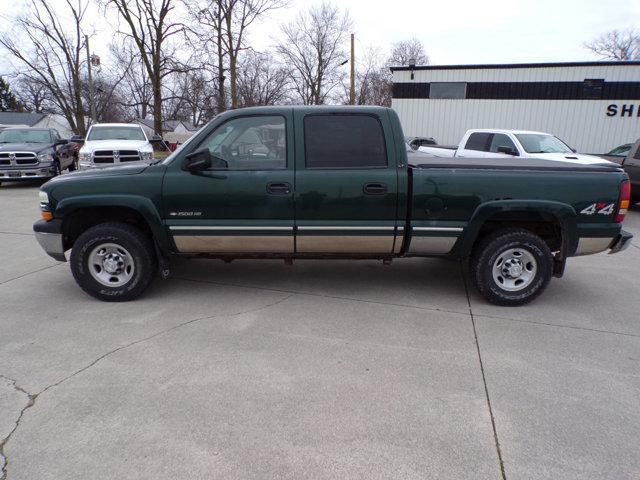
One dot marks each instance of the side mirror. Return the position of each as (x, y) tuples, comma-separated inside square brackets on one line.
[(202, 160), (197, 161), (62, 141), (508, 151)]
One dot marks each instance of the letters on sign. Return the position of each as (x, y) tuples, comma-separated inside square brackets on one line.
[(624, 110)]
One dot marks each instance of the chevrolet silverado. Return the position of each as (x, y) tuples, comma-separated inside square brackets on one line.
[(330, 182)]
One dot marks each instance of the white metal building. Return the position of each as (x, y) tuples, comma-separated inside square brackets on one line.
[(592, 106)]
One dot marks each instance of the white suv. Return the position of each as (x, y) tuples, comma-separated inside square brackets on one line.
[(114, 143)]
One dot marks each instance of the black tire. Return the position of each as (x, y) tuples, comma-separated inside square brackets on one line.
[(139, 250), (56, 168), (74, 164), (494, 249)]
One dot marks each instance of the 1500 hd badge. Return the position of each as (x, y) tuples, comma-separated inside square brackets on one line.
[(185, 214)]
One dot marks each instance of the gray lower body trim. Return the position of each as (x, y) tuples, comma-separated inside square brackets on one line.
[(52, 244), (431, 245), (344, 243), (588, 245), (234, 243)]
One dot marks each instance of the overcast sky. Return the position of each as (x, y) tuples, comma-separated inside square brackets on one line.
[(453, 32), (482, 31)]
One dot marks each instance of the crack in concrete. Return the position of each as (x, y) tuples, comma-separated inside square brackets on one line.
[(34, 396), (31, 399), (321, 295), (545, 324), (484, 378), (29, 273)]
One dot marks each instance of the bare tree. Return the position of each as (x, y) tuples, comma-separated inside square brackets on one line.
[(199, 98), (208, 19), (223, 27), (149, 24), (408, 50), (238, 16), (261, 81), (618, 45), (50, 46), (373, 80), (314, 47), (135, 91), (34, 95)]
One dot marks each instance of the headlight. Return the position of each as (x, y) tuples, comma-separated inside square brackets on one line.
[(146, 156), (45, 208), (84, 157), (45, 157)]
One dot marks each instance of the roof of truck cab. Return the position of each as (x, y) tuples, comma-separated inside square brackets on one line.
[(309, 108), (133, 125), (504, 130)]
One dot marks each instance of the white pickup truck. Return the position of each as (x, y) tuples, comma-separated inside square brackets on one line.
[(491, 143), (114, 143)]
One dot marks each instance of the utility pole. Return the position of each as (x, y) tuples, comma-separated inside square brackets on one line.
[(92, 100), (352, 92)]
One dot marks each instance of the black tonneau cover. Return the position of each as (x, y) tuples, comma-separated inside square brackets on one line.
[(535, 164)]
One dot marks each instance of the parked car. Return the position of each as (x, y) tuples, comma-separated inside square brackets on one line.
[(229, 193), (32, 153), (489, 143), (618, 154), (114, 143), (631, 165)]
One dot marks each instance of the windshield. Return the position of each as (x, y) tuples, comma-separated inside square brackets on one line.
[(116, 133), (620, 151), (540, 143), (25, 136)]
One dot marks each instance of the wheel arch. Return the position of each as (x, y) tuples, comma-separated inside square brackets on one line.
[(80, 213), (554, 222)]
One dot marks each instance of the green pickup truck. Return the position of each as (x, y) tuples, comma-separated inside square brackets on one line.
[(330, 182)]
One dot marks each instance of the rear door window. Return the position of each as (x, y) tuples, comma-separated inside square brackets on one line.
[(478, 141), (501, 140), (344, 141)]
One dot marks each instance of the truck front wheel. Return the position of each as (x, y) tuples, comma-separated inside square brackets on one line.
[(511, 267), (114, 262)]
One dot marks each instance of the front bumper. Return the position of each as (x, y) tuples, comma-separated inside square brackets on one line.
[(49, 236), (621, 242), (26, 173)]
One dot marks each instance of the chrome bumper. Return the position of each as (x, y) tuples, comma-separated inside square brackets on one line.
[(52, 244), (621, 242), (25, 174)]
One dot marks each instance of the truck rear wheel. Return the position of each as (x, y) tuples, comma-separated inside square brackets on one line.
[(114, 262), (511, 267)]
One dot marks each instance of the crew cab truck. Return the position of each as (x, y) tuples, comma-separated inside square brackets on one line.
[(114, 143), (329, 182), (521, 144), (32, 154)]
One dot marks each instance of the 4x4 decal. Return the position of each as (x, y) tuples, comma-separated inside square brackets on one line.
[(600, 208)]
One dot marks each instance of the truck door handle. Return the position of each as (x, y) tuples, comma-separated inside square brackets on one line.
[(374, 188), (278, 188)]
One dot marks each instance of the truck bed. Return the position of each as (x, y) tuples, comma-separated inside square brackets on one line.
[(516, 164)]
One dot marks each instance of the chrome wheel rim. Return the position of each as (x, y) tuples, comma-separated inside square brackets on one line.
[(111, 265), (514, 269)]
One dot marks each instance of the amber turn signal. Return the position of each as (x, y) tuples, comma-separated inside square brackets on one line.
[(46, 216)]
